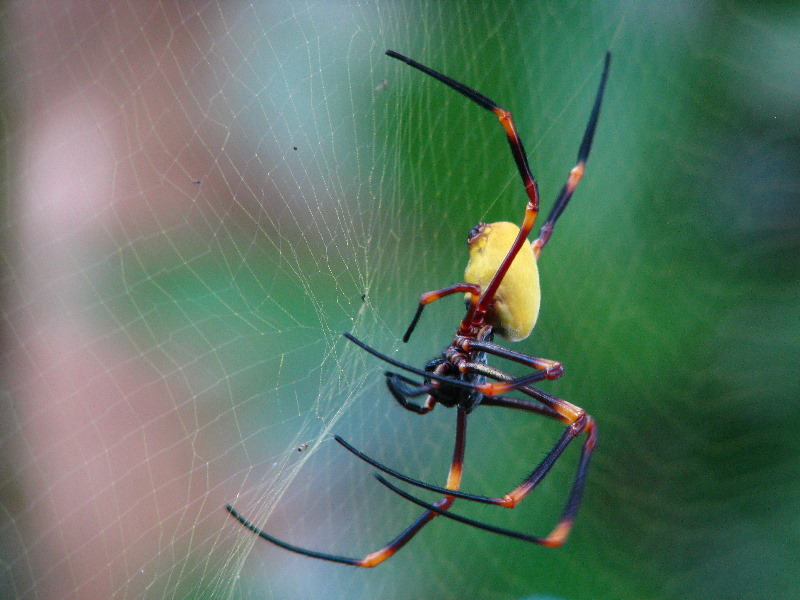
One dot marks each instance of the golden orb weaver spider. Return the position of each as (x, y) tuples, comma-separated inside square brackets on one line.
[(502, 293)]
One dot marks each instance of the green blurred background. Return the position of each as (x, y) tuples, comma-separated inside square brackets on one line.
[(201, 197)]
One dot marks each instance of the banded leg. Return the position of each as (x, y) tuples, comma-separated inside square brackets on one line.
[(520, 157), (507, 500), (530, 406), (560, 532), (546, 405), (577, 421), (553, 368), (514, 141), (375, 558), (493, 388), (428, 297), (577, 171)]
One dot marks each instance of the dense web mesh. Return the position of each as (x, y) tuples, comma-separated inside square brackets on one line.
[(200, 197)]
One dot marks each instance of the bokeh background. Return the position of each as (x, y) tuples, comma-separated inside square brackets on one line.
[(199, 197)]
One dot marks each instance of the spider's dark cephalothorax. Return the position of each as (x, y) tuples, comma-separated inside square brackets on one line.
[(501, 288)]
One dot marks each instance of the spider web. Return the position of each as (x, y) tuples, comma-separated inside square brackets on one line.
[(202, 196)]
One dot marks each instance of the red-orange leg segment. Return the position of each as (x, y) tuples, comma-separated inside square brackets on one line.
[(546, 404), (554, 368), (521, 404), (577, 171), (453, 483), (511, 499), (465, 288), (491, 388), (460, 376), (375, 558), (561, 531), (514, 141), (520, 157)]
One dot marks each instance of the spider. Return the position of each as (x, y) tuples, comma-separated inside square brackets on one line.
[(502, 294)]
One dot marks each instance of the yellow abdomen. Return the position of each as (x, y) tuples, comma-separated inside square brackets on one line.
[(513, 312)]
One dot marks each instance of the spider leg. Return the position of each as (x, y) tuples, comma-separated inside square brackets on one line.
[(467, 521), (375, 558), (559, 533), (415, 482), (562, 410), (484, 369), (554, 368), (428, 297), (521, 404), (285, 545), (541, 470), (548, 405), (400, 384), (538, 407), (580, 422), (577, 422), (520, 157), (505, 119), (568, 411), (402, 392), (577, 171), (489, 389), (544, 404)]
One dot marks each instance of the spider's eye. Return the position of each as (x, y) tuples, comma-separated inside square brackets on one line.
[(475, 232)]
